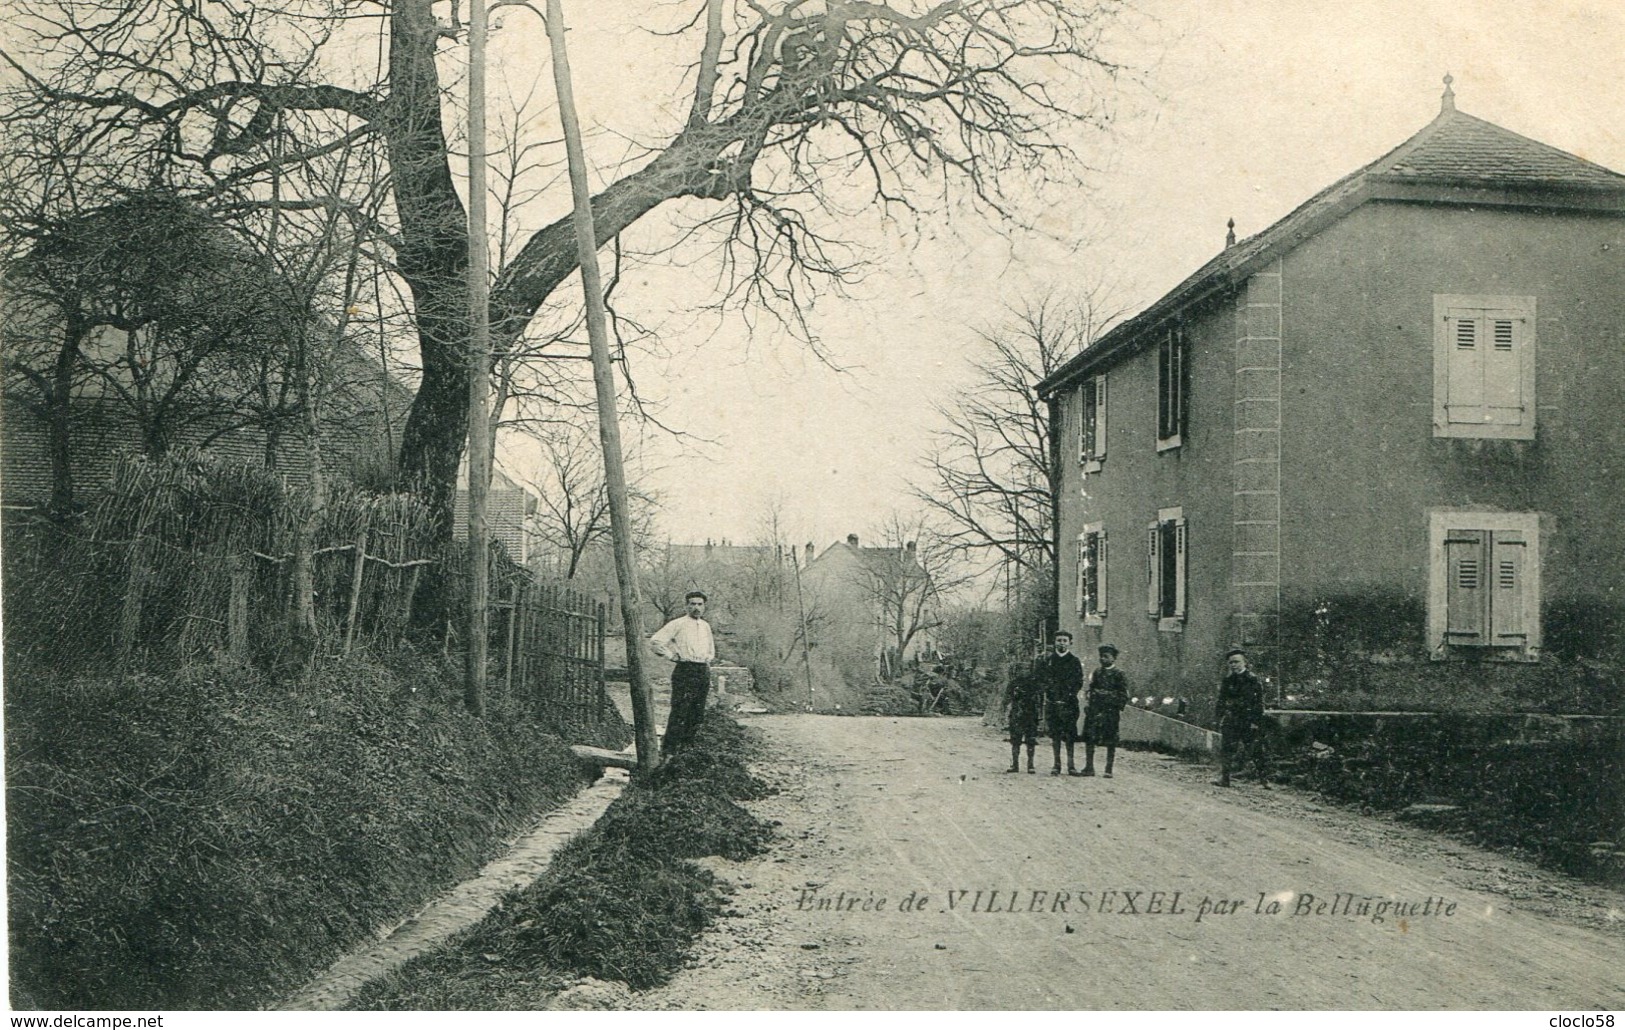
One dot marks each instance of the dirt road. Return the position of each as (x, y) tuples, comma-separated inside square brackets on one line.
[(1152, 890)]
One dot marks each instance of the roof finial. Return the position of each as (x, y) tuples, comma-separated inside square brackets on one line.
[(1448, 101), (1230, 237)]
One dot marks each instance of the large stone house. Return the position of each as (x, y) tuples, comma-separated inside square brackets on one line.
[(1377, 443)]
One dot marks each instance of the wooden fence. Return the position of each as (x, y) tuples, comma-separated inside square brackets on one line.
[(550, 640)]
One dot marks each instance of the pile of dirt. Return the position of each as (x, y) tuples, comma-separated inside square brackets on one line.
[(211, 838)]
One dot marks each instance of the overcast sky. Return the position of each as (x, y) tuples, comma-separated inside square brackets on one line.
[(1248, 108)]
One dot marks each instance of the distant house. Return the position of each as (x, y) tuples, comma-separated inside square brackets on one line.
[(1383, 432), (878, 605)]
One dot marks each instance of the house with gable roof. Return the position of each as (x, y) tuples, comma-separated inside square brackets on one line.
[(1376, 443), (871, 598)]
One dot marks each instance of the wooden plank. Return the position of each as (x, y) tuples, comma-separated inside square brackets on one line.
[(602, 757)]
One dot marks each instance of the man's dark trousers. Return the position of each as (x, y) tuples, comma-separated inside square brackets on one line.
[(690, 683)]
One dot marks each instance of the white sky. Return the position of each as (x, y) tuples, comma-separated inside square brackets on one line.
[(1249, 108)]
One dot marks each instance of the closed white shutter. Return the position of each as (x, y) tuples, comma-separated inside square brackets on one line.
[(1507, 584), (1464, 401), (1503, 368)]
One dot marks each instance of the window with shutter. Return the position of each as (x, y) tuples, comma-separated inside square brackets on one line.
[(1092, 424), (1092, 574), (1484, 367), (1484, 592), (1166, 565), (1172, 388)]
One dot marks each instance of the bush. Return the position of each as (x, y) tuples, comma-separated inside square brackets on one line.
[(1561, 801)]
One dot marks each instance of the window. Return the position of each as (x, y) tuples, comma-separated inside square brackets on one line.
[(1165, 569), (1484, 367), (1173, 383), (1484, 585), (1092, 574), (1092, 424)]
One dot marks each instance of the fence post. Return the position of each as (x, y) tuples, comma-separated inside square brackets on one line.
[(130, 615), (406, 602), (237, 612), (355, 590), (513, 629)]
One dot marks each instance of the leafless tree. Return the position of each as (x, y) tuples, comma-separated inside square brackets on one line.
[(573, 507), (159, 310), (990, 477), (905, 581), (794, 106)]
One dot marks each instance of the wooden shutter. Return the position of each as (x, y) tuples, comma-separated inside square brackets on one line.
[(1507, 585), (1100, 563), (1504, 335), (1153, 570), (1182, 383), (1179, 569), (1087, 440), (1464, 396), (1098, 445), (1466, 587), (1163, 361), (1083, 566)]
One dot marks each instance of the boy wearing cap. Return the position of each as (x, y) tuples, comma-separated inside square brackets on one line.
[(1062, 674), (1241, 719), (1024, 700), (1107, 696)]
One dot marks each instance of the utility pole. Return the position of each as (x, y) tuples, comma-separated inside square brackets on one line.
[(603, 374), (806, 642), (479, 371)]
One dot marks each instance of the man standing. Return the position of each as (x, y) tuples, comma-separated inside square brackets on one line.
[(1103, 709), (1241, 719), (687, 641), (1062, 675)]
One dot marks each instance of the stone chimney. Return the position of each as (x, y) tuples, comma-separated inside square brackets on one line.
[(809, 551), (852, 539), (910, 547)]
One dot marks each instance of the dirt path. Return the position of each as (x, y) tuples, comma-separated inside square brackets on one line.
[(880, 808)]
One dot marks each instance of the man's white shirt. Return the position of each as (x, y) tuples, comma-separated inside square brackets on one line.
[(685, 639)]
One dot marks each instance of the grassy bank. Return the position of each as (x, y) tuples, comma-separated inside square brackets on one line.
[(1560, 802), (212, 839), (622, 902)]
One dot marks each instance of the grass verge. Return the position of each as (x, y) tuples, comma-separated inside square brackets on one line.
[(211, 839), (622, 902)]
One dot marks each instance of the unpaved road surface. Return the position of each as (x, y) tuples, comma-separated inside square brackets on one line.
[(880, 808)]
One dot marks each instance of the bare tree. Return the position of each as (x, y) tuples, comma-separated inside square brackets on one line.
[(793, 105), (991, 477), (159, 309), (573, 510), (905, 581)]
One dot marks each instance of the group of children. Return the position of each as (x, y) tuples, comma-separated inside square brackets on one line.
[(1048, 694)]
